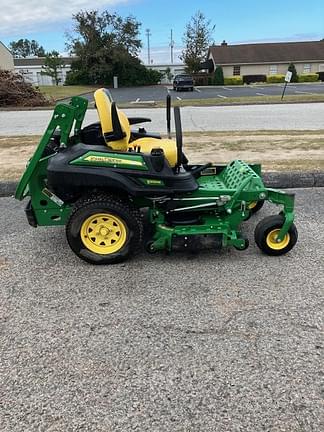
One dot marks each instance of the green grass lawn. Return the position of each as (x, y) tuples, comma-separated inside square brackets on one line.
[(62, 92), (277, 150)]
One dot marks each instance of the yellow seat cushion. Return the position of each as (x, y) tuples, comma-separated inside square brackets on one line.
[(103, 105), (168, 146)]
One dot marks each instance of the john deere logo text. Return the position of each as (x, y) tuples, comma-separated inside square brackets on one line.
[(113, 161)]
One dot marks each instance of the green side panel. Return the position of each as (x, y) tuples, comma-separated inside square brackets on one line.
[(48, 209), (116, 160), (64, 118)]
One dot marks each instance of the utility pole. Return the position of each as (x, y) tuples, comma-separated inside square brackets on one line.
[(171, 47), (148, 34)]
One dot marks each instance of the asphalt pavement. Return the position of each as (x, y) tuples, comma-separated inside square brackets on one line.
[(227, 341), (214, 118), (159, 93)]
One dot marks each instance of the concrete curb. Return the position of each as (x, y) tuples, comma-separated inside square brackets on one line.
[(291, 180), (276, 180), (7, 188)]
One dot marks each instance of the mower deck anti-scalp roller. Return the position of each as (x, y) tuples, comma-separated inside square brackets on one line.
[(96, 181)]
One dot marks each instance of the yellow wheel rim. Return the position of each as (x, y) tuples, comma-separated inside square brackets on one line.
[(252, 205), (272, 240), (103, 233)]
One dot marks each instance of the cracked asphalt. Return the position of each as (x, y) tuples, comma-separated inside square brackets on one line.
[(226, 341)]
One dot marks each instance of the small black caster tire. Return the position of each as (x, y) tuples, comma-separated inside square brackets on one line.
[(265, 236), (149, 247), (246, 245)]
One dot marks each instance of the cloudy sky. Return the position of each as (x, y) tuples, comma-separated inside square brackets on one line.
[(237, 21)]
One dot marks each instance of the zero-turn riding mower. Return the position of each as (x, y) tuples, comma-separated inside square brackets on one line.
[(97, 179)]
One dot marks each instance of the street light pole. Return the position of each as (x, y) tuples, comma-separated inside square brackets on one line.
[(148, 34), (172, 46)]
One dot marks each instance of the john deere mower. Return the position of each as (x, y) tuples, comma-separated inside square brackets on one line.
[(98, 179)]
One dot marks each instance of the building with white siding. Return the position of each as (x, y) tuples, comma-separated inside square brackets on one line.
[(31, 68), (6, 58)]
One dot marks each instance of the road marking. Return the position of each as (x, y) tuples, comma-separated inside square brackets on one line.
[(260, 94), (179, 98), (223, 97), (227, 88), (149, 102), (298, 91), (199, 91)]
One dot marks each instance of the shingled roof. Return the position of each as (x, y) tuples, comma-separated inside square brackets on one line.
[(37, 61), (285, 52)]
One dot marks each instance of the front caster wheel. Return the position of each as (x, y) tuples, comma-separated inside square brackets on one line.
[(244, 247), (266, 233), (149, 247)]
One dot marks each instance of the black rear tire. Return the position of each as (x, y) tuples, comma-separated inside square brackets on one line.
[(111, 243)]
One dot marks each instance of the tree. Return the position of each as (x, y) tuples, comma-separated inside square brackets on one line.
[(168, 74), (53, 66), (219, 76), (197, 39), (26, 48), (292, 69), (106, 45)]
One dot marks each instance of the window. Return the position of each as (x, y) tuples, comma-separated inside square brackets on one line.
[(273, 70), (236, 70), (307, 68)]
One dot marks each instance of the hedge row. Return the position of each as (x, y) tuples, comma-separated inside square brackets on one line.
[(278, 78), (233, 80), (310, 77), (271, 79)]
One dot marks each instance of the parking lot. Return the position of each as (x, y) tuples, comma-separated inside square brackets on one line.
[(226, 341), (158, 93)]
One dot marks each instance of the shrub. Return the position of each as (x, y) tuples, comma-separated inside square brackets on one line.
[(233, 80), (310, 77), (130, 72), (219, 76), (77, 77), (275, 78), (248, 79), (292, 69)]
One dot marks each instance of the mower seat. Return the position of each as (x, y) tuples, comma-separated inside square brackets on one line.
[(104, 108), (117, 133)]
